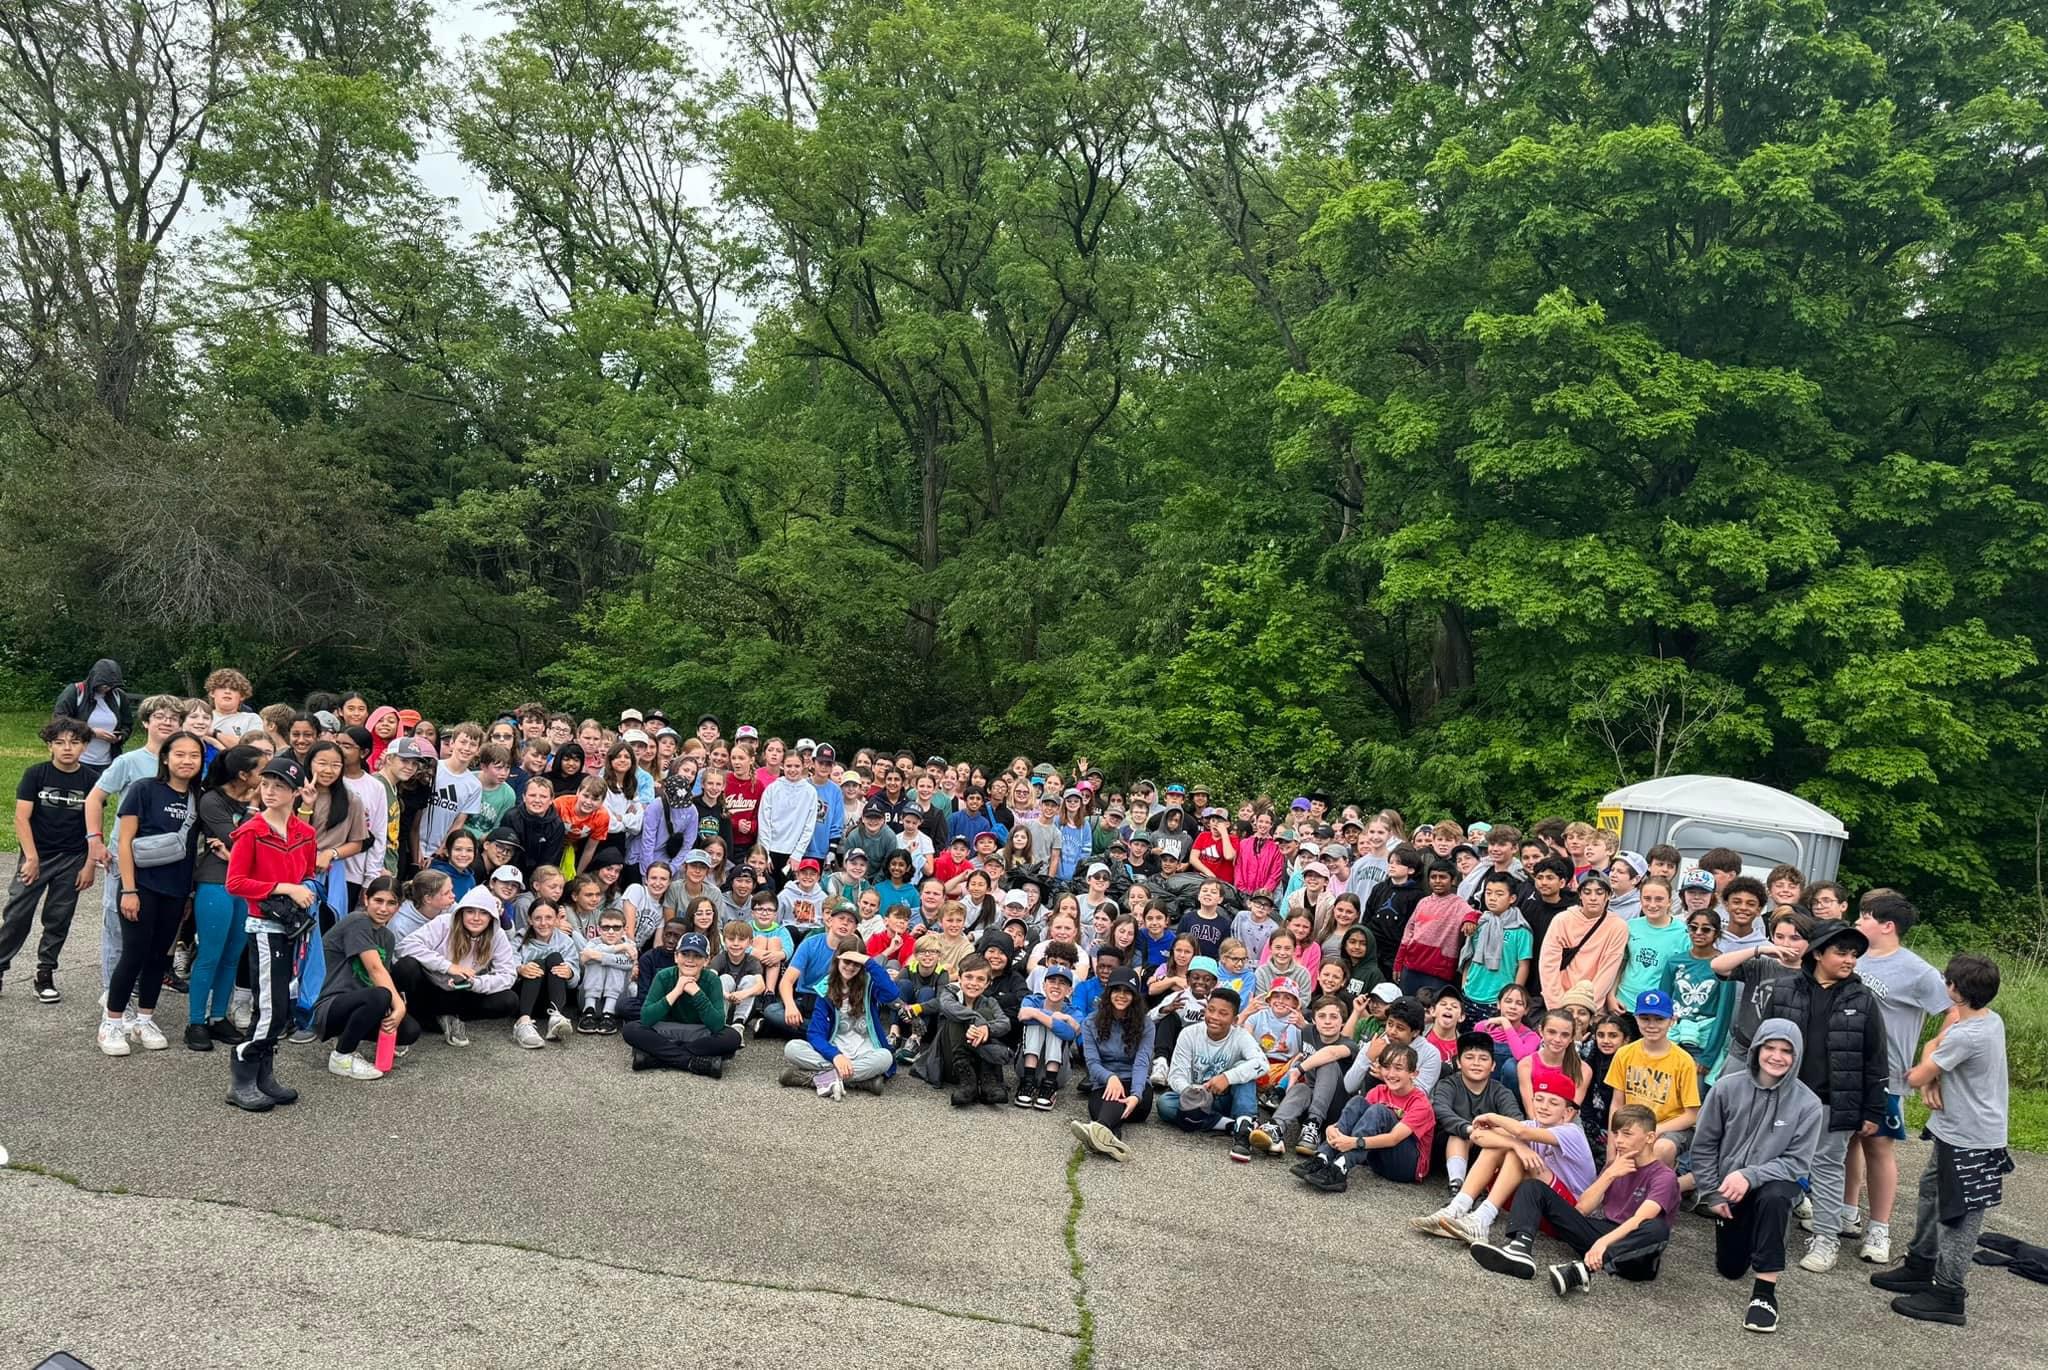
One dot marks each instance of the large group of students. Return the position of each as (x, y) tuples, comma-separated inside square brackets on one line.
[(1567, 1038)]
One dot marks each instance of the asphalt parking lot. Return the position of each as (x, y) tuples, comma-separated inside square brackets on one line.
[(487, 1206)]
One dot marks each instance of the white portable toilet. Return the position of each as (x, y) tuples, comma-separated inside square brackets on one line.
[(1696, 813)]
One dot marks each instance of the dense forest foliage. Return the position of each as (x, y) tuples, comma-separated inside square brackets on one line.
[(1465, 407)]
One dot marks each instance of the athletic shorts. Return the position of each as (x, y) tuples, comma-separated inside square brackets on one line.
[(1894, 1124)]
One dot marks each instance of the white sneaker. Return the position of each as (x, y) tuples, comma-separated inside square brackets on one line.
[(838, 1091), (527, 1035), (1466, 1228), (558, 1027), (1158, 1072), (452, 1031), (113, 1037), (1432, 1224), (1803, 1210), (1821, 1254), (131, 1023), (242, 1010), (350, 1066), (149, 1034), (1877, 1245)]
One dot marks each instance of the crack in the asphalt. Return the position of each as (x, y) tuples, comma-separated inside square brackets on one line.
[(1084, 1337)]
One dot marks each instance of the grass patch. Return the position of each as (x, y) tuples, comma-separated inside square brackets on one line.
[(1084, 1342), (20, 748)]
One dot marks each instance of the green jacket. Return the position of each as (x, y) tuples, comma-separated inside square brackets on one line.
[(706, 1007)]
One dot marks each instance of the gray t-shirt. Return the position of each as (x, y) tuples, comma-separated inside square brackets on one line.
[(1907, 990), (1974, 1097)]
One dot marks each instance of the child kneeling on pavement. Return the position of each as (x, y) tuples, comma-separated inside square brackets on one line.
[(1756, 1139)]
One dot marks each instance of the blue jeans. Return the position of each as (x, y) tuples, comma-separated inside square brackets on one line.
[(222, 932), (1362, 1120), (1239, 1101)]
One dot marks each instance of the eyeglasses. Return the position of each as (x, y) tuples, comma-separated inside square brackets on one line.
[(611, 927)]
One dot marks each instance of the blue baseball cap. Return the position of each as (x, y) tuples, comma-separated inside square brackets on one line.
[(693, 944), (1653, 1003), (1207, 963)]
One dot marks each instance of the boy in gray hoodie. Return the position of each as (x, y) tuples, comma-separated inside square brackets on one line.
[(1756, 1138)]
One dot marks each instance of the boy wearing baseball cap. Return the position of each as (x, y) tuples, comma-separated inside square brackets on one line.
[(682, 1020), (1277, 1028), (1654, 1074)]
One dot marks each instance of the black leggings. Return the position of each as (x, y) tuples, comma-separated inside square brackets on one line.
[(1754, 1238), (545, 993), (1110, 1112), (426, 1000), (351, 1017), (145, 952)]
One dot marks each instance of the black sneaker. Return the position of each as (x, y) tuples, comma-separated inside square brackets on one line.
[(1331, 1179), (1761, 1317), (46, 987), (1304, 1169), (641, 1060), (1024, 1096), (1241, 1142), (586, 1022), (223, 1030), (710, 1067), (176, 983), (1512, 1258), (1572, 1275), (608, 1025), (993, 1093), (964, 1095), (197, 1038), (1043, 1103)]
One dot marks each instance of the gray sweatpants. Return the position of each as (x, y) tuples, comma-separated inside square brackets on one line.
[(1312, 1096), (868, 1062), (1949, 1247), (603, 986), (56, 889), (1825, 1183)]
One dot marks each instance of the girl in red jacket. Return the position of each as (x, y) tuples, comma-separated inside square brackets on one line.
[(272, 853)]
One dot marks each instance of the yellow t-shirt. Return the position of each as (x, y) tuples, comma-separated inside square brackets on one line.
[(1667, 1085)]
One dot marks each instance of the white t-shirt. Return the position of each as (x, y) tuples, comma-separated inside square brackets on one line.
[(371, 794), (99, 751), (457, 795)]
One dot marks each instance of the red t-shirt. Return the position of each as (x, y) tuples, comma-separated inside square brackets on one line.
[(1415, 1110), (1209, 846)]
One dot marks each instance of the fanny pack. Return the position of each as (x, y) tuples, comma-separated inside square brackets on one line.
[(166, 848)]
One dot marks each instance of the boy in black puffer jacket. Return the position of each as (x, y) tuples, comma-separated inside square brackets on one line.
[(1844, 1064)]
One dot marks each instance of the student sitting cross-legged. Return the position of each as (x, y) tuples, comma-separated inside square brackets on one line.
[(1621, 1223), (683, 1017)]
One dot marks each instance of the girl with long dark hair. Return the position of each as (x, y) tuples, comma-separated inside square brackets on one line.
[(1116, 1048)]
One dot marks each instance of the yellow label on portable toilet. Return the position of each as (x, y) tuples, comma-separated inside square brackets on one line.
[(1610, 819)]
